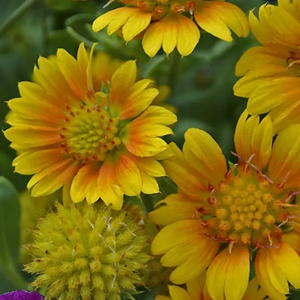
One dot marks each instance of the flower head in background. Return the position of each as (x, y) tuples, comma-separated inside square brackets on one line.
[(94, 143), (167, 24), (21, 295), (271, 71), (220, 215), (88, 252)]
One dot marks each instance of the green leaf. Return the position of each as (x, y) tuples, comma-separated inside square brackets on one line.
[(9, 233)]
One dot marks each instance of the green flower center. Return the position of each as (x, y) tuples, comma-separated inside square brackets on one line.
[(89, 133)]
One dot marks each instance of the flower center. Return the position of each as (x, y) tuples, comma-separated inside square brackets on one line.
[(89, 133), (248, 208)]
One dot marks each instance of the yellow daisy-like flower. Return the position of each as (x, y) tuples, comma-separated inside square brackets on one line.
[(95, 144), (167, 24), (196, 290), (271, 71), (220, 216)]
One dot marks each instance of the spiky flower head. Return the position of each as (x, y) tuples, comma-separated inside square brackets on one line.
[(88, 252)]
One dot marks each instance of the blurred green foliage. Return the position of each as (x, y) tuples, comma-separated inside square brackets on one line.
[(201, 88)]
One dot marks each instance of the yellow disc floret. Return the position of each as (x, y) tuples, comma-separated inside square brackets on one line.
[(247, 209), (89, 133), (88, 252)]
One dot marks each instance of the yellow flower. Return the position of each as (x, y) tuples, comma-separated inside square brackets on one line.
[(88, 252), (95, 144), (220, 216), (166, 24), (196, 290), (271, 71)]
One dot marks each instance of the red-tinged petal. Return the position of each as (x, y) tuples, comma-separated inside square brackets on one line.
[(115, 19), (218, 17), (128, 175), (42, 110), (228, 274), (275, 267), (186, 178), (55, 180), (254, 138), (76, 79), (28, 163), (204, 155), (84, 185), (141, 135), (285, 155), (134, 105), (135, 24), (121, 83), (109, 190)]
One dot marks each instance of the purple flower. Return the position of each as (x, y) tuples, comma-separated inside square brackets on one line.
[(21, 295)]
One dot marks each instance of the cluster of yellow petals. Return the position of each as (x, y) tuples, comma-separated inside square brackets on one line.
[(271, 71), (220, 216), (166, 23)]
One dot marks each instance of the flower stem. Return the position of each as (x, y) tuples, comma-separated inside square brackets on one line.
[(15, 278), (16, 15), (175, 68)]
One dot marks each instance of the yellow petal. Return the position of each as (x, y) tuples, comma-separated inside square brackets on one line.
[(254, 138), (228, 274), (171, 31), (218, 17), (178, 293), (136, 23), (203, 153), (283, 165), (174, 208)]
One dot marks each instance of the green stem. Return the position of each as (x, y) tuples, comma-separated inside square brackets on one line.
[(175, 68), (15, 278), (16, 15), (78, 37)]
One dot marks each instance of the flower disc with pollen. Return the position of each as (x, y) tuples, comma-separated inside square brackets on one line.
[(79, 127), (246, 206), (222, 218), (89, 133)]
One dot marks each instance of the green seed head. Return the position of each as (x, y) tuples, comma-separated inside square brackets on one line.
[(88, 252)]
